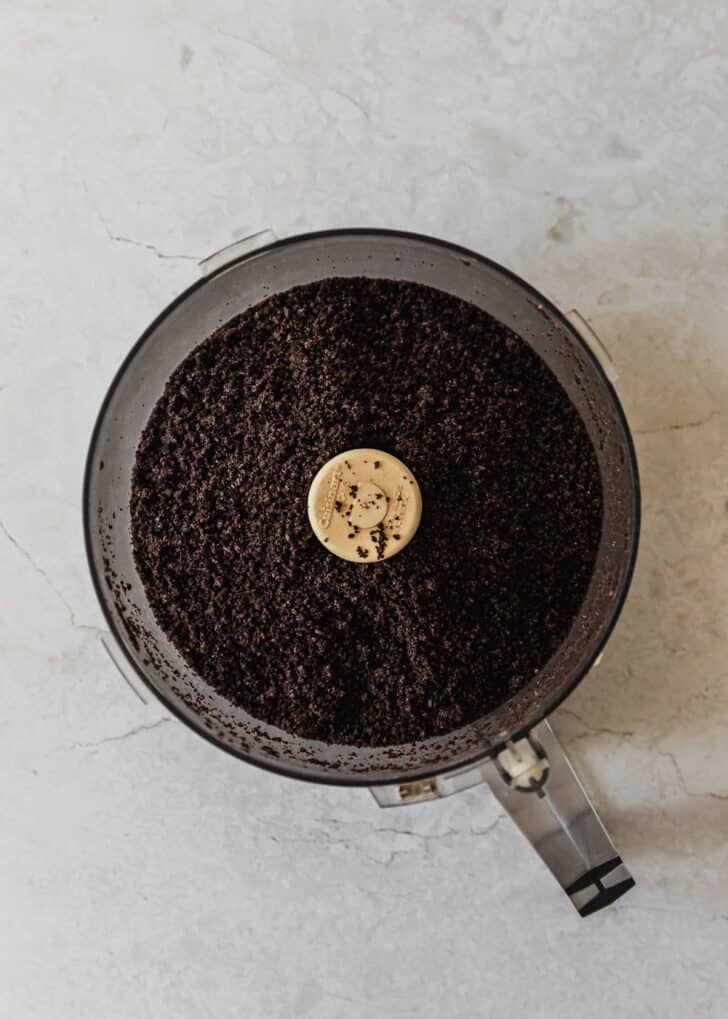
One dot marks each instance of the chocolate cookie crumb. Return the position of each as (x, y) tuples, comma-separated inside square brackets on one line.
[(384, 652)]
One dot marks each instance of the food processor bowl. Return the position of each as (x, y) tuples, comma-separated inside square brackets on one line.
[(226, 291)]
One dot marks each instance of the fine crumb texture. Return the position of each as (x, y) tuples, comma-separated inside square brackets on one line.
[(371, 653)]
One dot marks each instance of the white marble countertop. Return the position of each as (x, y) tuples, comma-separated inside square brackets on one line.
[(144, 873)]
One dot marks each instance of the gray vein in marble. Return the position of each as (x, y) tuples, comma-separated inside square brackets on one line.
[(624, 733), (683, 783), (323, 836), (57, 592), (678, 426), (119, 239), (666, 723), (246, 42), (340, 94), (119, 737), (426, 837), (590, 728)]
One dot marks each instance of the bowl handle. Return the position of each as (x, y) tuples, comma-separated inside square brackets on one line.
[(535, 783), (123, 667), (597, 346), (233, 251)]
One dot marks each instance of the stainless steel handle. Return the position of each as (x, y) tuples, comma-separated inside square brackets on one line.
[(536, 784)]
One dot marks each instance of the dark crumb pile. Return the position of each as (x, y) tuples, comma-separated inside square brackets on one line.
[(371, 653)]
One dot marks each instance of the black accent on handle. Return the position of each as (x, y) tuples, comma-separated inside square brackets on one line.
[(604, 895)]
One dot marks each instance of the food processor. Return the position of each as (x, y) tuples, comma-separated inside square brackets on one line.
[(513, 749)]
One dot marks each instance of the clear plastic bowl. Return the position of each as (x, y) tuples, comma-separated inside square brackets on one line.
[(229, 290)]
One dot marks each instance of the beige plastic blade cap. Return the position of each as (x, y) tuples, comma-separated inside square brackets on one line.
[(364, 505)]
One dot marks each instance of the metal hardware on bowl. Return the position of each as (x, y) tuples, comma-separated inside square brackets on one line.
[(523, 765), (418, 790)]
